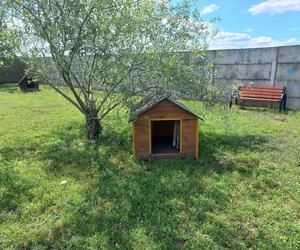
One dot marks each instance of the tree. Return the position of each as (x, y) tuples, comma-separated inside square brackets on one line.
[(9, 41), (125, 48)]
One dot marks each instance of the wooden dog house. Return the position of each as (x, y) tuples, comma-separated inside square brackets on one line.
[(164, 128), (28, 83)]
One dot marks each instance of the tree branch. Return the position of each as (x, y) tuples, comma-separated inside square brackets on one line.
[(67, 97)]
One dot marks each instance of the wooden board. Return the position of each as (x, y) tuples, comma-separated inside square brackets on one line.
[(278, 93), (257, 99), (189, 137), (266, 96), (167, 110), (260, 87)]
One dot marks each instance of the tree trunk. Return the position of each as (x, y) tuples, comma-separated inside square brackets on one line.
[(93, 125)]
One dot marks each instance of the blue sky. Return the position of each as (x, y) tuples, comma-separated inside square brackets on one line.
[(253, 23)]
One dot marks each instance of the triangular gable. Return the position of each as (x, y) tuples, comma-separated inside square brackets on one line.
[(148, 103)]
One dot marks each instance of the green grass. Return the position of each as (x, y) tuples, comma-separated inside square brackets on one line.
[(59, 191)]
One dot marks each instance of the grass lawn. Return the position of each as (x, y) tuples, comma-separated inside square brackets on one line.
[(59, 191)]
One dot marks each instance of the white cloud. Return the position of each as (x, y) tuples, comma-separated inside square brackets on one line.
[(293, 29), (231, 40), (292, 40), (209, 9), (275, 6), (249, 30)]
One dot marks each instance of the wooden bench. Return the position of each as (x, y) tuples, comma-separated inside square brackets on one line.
[(261, 94)]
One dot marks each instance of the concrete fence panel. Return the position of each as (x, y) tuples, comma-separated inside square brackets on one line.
[(276, 66)]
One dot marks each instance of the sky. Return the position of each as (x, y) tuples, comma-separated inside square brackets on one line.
[(253, 23)]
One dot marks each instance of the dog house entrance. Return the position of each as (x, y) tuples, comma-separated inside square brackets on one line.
[(165, 137)]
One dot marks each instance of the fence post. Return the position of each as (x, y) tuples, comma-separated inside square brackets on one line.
[(274, 66)]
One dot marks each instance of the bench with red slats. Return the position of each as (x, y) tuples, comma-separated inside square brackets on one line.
[(260, 93)]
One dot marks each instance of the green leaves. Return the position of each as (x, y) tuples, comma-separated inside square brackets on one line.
[(8, 36), (131, 47)]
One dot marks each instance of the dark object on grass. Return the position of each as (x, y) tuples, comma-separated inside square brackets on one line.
[(260, 94), (163, 128), (28, 84)]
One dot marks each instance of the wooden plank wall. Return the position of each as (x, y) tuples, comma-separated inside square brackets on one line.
[(141, 144), (189, 139)]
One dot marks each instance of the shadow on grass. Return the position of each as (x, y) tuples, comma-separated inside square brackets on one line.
[(262, 109), (213, 146), (10, 88), (163, 204), (14, 190)]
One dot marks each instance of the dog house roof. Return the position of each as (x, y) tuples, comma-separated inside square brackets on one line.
[(150, 102)]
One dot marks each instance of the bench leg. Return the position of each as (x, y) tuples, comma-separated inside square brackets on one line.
[(280, 106), (284, 103), (230, 103)]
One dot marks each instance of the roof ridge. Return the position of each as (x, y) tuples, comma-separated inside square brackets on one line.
[(151, 101)]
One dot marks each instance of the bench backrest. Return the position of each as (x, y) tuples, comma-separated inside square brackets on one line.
[(261, 92)]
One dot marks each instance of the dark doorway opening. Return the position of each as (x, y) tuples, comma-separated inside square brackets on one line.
[(165, 137)]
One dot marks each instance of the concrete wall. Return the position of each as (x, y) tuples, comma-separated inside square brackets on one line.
[(11, 71), (277, 66)]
